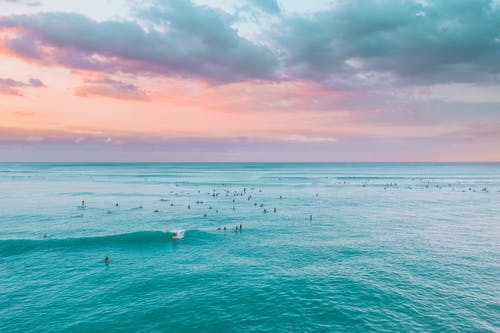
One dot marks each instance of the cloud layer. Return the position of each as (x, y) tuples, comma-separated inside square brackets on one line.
[(352, 44), (176, 39)]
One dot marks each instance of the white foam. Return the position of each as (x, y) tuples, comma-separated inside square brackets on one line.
[(179, 234)]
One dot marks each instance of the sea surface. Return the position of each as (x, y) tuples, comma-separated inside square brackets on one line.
[(350, 248)]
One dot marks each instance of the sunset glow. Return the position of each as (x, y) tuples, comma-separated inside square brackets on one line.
[(249, 81)]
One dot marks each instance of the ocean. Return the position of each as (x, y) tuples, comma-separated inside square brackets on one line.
[(340, 247)]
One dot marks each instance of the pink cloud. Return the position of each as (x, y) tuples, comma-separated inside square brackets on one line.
[(13, 87), (111, 88)]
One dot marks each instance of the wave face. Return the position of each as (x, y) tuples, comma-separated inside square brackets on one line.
[(323, 247), (11, 247)]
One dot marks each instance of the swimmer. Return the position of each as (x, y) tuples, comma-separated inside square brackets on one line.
[(218, 228), (224, 228), (44, 235), (155, 211), (83, 203), (275, 209), (189, 206), (106, 261), (310, 217), (109, 212), (116, 204), (241, 227)]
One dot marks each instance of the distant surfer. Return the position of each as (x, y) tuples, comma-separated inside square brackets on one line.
[(83, 203), (106, 261), (241, 227), (174, 235)]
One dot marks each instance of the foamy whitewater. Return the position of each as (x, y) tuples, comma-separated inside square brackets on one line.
[(351, 247)]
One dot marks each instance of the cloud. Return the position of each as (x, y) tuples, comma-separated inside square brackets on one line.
[(174, 39), (111, 88), (350, 45), (45, 145), (359, 43), (13, 87)]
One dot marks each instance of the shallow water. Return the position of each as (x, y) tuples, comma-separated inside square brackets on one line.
[(390, 247)]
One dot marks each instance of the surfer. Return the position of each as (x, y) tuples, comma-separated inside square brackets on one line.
[(106, 261), (241, 227), (174, 234), (83, 203)]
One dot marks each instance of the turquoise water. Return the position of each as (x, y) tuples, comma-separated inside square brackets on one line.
[(390, 247)]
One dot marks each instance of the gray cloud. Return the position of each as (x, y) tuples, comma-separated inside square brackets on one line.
[(353, 44), (181, 40), (360, 43), (13, 87)]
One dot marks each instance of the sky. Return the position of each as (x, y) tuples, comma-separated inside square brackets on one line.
[(250, 80)]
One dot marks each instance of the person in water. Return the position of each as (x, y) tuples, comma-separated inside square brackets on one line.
[(106, 261), (174, 234)]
